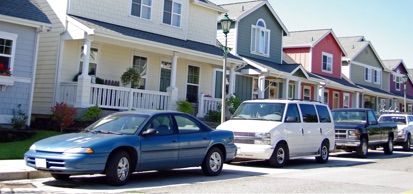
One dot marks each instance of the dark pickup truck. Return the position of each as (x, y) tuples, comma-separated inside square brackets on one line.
[(357, 129)]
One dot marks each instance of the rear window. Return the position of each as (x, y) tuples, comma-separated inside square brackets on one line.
[(323, 114), (397, 119), (308, 113)]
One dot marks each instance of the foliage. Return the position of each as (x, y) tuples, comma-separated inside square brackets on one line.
[(368, 104), (63, 114), (131, 76), (214, 116), (93, 113), (4, 70), (16, 150), (98, 79), (233, 103), (19, 118), (184, 106)]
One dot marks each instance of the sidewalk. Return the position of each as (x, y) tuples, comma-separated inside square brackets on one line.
[(17, 169)]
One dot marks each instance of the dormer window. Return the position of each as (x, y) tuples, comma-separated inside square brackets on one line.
[(142, 8), (327, 62), (172, 11), (260, 39)]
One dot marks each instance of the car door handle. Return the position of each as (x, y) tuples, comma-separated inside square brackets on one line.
[(302, 131), (321, 131), (174, 140)]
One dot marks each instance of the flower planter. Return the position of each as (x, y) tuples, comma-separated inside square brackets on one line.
[(6, 81)]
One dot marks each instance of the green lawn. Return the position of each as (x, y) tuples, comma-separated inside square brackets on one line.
[(16, 150)]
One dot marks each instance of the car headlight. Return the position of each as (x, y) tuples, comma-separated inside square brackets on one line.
[(262, 138), (353, 133), (79, 151), (33, 147), (263, 135)]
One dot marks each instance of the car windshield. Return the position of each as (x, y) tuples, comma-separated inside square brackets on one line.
[(349, 116), (118, 124), (260, 111), (400, 120)]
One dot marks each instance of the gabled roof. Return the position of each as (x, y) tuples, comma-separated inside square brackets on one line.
[(287, 59), (374, 91), (393, 63), (339, 82), (23, 9), (354, 45), (208, 4), (237, 11), (113, 30)]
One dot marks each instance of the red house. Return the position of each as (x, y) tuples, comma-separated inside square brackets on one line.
[(320, 52)]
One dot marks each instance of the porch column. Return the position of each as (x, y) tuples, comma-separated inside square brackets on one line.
[(357, 100), (172, 89), (261, 86), (285, 93), (83, 83), (298, 90), (320, 96), (231, 89)]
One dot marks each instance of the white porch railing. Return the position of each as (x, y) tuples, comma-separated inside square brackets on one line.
[(206, 104), (115, 97)]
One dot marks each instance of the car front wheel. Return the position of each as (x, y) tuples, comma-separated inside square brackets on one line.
[(213, 162), (362, 150), (324, 153), (388, 148), (118, 168), (279, 156)]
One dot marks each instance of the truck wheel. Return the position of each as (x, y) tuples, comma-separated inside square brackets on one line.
[(279, 156), (324, 153), (362, 150), (388, 147), (407, 144)]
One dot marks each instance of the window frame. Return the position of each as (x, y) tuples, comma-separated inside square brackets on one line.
[(367, 72), (13, 37), (141, 6), (376, 76), (309, 92), (324, 97), (172, 13), (94, 61), (328, 56), (292, 90), (143, 78), (345, 94), (256, 41), (193, 84)]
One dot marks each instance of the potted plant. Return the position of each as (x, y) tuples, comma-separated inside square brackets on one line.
[(4, 71), (131, 76)]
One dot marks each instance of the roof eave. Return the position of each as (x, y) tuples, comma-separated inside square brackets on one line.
[(24, 22)]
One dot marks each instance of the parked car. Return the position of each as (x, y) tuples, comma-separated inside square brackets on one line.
[(357, 129), (127, 142), (404, 126), (279, 130)]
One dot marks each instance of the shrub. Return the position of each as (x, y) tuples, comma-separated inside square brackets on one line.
[(233, 103), (214, 116), (131, 76), (63, 115), (93, 113), (184, 106), (19, 118)]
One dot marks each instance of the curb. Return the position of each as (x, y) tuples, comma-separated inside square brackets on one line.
[(6, 176)]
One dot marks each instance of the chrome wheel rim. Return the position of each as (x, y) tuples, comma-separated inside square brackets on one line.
[(364, 148), (215, 162), (123, 168), (280, 155), (324, 152), (390, 144)]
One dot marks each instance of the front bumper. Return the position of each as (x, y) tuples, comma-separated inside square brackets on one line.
[(66, 163), (251, 151), (343, 143)]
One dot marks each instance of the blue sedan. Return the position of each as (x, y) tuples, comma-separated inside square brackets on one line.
[(127, 142)]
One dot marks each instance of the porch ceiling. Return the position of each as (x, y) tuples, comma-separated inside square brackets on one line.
[(157, 41)]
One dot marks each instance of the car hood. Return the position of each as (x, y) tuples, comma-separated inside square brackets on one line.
[(249, 125), (60, 143), (344, 125)]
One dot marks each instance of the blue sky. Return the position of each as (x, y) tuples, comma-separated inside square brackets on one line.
[(388, 24)]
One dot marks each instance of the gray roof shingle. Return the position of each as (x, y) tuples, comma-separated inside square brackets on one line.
[(23, 9), (237, 9), (304, 38), (392, 63), (353, 45)]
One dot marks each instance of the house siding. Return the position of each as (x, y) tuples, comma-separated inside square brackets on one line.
[(202, 33), (244, 34), (367, 56), (300, 55), (328, 45), (385, 81), (22, 71)]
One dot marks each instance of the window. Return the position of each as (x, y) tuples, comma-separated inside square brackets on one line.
[(7, 48), (397, 80), (325, 100), (371, 116), (291, 91), (162, 124), (260, 38), (165, 79), (367, 74), (323, 114), (327, 63), (292, 115), (141, 63), (172, 10), (93, 61), (186, 125), (346, 100), (142, 8), (308, 113), (192, 84), (377, 76), (307, 93)]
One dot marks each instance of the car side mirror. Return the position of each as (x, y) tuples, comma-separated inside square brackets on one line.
[(148, 132), (373, 122), (291, 119)]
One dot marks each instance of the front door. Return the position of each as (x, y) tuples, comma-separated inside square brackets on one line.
[(336, 97)]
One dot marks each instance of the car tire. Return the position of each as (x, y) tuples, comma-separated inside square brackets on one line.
[(363, 148), (60, 176), (118, 168), (280, 156), (388, 147), (407, 144), (213, 162), (324, 153)]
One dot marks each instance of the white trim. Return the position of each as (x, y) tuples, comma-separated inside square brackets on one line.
[(13, 37), (375, 72), (172, 13), (328, 55), (344, 97), (257, 47), (368, 72), (147, 56), (309, 89), (25, 22), (142, 5), (199, 81), (365, 65)]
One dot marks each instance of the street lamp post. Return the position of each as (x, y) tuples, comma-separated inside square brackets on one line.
[(225, 25), (404, 89)]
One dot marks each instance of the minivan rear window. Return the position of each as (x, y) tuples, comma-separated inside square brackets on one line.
[(308, 113), (323, 114)]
